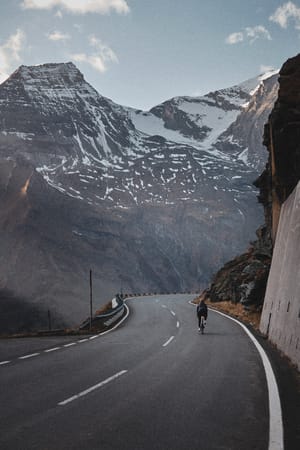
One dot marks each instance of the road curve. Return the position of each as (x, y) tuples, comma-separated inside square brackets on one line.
[(153, 383)]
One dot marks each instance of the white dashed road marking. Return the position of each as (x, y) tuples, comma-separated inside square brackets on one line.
[(52, 349), (28, 356), (168, 341), (71, 344), (96, 386)]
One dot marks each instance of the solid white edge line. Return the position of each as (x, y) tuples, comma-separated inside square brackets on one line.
[(276, 440), (96, 386), (29, 356), (168, 341), (2, 363), (82, 340), (118, 324), (70, 345)]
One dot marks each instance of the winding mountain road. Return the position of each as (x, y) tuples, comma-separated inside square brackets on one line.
[(153, 383)]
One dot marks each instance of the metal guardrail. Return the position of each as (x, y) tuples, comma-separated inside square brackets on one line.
[(110, 314), (112, 311)]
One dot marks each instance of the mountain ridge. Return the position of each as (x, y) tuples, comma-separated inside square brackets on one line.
[(145, 211)]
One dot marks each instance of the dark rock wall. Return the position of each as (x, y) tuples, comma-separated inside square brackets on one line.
[(282, 138), (244, 278)]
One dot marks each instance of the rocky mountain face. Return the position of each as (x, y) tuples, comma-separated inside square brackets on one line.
[(245, 133), (244, 278), (150, 201)]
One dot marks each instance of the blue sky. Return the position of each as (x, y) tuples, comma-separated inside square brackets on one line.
[(142, 52)]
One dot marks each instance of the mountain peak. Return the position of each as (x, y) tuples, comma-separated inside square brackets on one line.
[(50, 85), (49, 67), (53, 72)]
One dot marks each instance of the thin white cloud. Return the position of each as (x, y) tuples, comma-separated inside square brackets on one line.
[(106, 53), (234, 38), (80, 6), (254, 33), (264, 68), (250, 34), (10, 51), (58, 36), (99, 60), (93, 60), (285, 13)]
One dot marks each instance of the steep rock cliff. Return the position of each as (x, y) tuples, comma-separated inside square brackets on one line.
[(244, 278)]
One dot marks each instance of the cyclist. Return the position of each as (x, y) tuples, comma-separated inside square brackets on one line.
[(201, 311)]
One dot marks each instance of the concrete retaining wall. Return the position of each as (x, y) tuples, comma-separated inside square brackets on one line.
[(281, 312)]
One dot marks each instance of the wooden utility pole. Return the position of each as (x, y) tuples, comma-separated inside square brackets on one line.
[(91, 299), (49, 320)]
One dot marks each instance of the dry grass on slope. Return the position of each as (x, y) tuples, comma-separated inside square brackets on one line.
[(236, 310)]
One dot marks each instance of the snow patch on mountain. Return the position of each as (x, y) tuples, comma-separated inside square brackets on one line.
[(261, 78), (103, 152)]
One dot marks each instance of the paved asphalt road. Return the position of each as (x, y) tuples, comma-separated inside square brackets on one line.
[(152, 384)]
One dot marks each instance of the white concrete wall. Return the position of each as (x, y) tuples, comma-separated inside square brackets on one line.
[(281, 312)]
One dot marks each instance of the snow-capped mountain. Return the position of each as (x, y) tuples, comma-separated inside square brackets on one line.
[(162, 197), (196, 121), (199, 121), (77, 138)]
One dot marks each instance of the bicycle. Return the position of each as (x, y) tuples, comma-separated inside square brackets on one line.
[(202, 325)]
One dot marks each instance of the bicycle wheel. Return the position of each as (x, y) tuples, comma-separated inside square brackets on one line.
[(202, 325)]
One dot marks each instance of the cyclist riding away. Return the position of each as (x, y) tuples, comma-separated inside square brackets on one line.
[(201, 312)]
